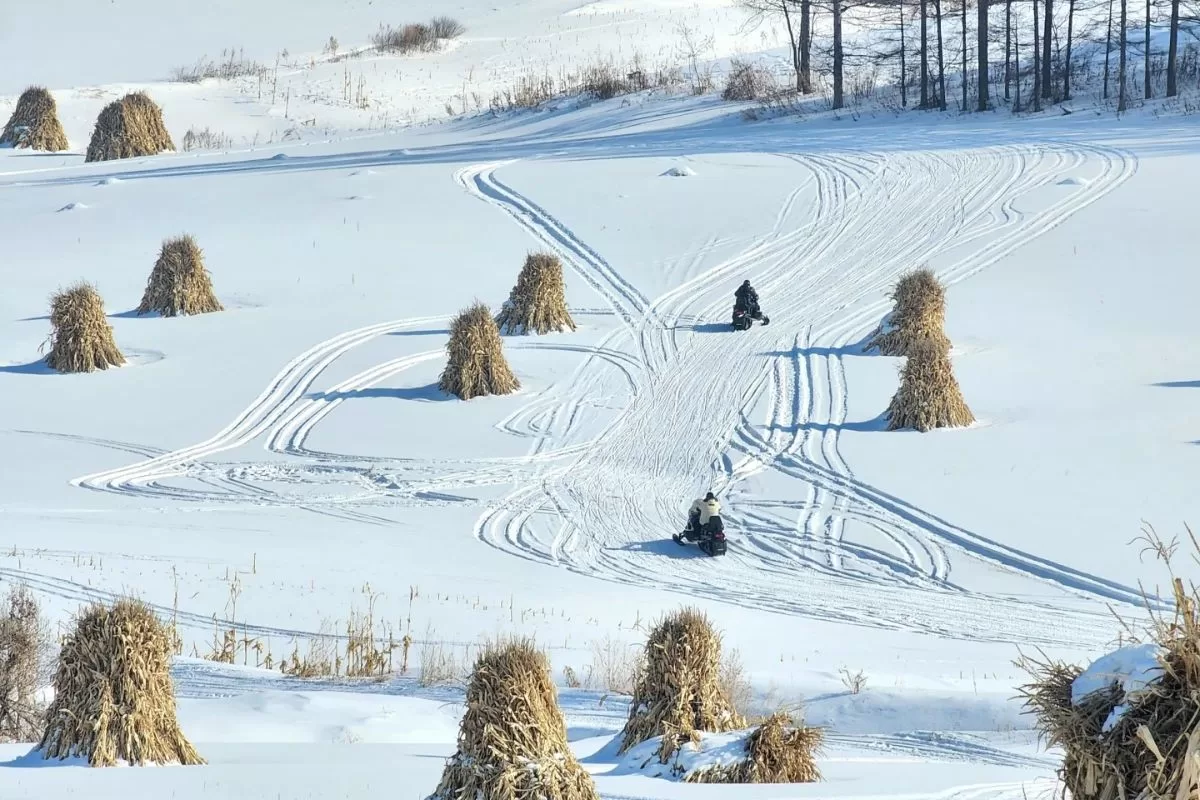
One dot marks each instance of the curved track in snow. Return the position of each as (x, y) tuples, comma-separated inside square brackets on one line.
[(711, 410), (608, 513)]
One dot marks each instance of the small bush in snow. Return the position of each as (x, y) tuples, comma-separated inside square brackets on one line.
[(447, 28), (24, 658), (748, 82), (417, 37)]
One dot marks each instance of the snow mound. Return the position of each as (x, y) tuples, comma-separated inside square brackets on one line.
[(73, 207), (1072, 182), (109, 182), (713, 750), (679, 172), (1135, 668)]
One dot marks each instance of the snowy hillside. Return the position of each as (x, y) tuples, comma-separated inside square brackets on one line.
[(275, 467)]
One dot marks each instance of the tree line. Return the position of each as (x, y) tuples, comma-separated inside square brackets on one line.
[(1047, 29)]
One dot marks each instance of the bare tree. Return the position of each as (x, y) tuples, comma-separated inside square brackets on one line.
[(24, 663), (1146, 62), (799, 36), (937, 9), (981, 53), (1121, 94), (903, 64), (1173, 52), (963, 31), (1037, 65), (1008, 49), (1047, 37), (1067, 60), (1108, 48), (924, 53), (838, 55)]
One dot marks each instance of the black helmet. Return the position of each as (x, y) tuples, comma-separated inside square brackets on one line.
[(710, 496), (746, 282)]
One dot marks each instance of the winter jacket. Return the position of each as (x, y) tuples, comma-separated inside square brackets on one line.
[(707, 509), (746, 296)]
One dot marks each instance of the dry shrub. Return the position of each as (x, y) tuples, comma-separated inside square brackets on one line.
[(538, 302), (446, 28), (128, 128), (34, 123), (113, 696), (475, 363), (1153, 750), (928, 396), (24, 650), (734, 683), (82, 340), (512, 743), (614, 668), (418, 37), (679, 692), (179, 283), (748, 81), (777, 751), (919, 314)]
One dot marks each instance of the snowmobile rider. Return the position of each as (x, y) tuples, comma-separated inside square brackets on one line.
[(702, 511), (746, 298)]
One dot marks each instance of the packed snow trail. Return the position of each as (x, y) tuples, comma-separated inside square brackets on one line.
[(604, 503), (618, 503)]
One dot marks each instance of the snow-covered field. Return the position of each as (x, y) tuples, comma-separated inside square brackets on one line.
[(262, 467)]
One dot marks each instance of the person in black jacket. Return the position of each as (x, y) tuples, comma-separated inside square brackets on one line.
[(746, 298)]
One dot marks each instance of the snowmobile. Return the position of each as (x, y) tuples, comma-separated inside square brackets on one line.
[(744, 317), (710, 537)]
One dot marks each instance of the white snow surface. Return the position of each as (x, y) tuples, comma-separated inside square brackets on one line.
[(275, 466), (1134, 668)]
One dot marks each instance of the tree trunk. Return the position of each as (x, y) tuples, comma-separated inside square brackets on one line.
[(1047, 80), (981, 56), (963, 31), (1037, 64), (1108, 48), (903, 63), (1017, 65), (1067, 60), (1173, 52), (1121, 75), (1008, 51), (787, 19), (937, 9), (805, 82), (838, 100), (924, 53), (1146, 62)]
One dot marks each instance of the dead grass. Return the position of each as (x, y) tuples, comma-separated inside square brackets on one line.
[(512, 742), (614, 667), (206, 139), (417, 37), (129, 128), (475, 363), (929, 396), (113, 696), (82, 339), (34, 123), (24, 650), (602, 80), (440, 663), (679, 691), (780, 750), (179, 283), (232, 64), (918, 315), (538, 302), (747, 81), (1153, 751)]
